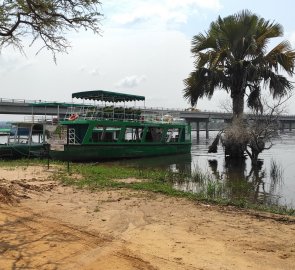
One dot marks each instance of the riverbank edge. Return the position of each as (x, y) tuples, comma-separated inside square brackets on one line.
[(109, 176)]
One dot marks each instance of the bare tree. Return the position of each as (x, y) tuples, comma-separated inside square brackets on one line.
[(48, 20), (226, 105), (252, 134), (262, 127)]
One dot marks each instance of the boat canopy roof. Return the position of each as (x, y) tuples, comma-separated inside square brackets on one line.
[(58, 104), (108, 96)]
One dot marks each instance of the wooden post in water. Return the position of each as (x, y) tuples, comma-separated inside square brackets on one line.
[(46, 152), (207, 130), (198, 130), (282, 126)]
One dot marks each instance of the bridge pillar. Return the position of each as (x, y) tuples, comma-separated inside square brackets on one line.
[(290, 126), (207, 130), (281, 125), (198, 130)]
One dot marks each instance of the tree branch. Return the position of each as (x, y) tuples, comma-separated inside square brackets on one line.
[(47, 20)]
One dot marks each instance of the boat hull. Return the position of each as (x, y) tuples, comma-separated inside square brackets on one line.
[(118, 151), (15, 151)]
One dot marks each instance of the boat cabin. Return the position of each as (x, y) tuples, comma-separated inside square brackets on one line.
[(105, 131)]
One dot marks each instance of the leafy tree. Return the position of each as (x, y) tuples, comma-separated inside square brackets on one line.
[(47, 20), (233, 56)]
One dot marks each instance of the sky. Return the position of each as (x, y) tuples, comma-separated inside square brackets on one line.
[(143, 49)]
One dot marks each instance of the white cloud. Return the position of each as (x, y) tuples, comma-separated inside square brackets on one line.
[(161, 12), (95, 72), (149, 12), (13, 62), (208, 4), (90, 71), (292, 39), (131, 81), (82, 68)]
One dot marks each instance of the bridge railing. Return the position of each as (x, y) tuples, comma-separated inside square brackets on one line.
[(159, 109), (15, 100), (40, 119)]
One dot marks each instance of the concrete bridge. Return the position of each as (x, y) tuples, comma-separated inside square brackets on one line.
[(31, 107), (197, 117), (59, 109)]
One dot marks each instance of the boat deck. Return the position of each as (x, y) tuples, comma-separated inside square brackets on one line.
[(117, 113)]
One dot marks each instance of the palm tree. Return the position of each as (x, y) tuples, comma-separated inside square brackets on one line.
[(233, 56)]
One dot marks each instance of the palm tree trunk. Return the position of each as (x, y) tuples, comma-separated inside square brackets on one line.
[(238, 105), (235, 148)]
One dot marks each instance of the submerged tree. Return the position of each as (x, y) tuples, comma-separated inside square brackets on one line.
[(261, 128), (233, 56), (47, 20), (253, 134)]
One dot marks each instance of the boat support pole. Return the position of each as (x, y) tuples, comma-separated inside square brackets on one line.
[(47, 150), (198, 130)]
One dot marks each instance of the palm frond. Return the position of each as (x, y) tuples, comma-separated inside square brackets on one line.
[(254, 99), (232, 55), (281, 56), (279, 85)]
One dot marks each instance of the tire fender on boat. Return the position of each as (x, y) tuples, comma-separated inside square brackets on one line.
[(73, 117)]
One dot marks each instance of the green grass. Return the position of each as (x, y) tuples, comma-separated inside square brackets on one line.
[(212, 191), (27, 162), (106, 176)]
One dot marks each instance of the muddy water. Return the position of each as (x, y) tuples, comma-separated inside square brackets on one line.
[(272, 183)]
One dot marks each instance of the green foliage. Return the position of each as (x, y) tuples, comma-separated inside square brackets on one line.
[(22, 162), (276, 171), (47, 21), (232, 55), (210, 190), (107, 176)]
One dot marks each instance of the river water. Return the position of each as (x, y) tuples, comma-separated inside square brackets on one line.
[(271, 184)]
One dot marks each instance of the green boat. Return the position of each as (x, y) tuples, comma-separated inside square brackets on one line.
[(24, 139), (99, 132)]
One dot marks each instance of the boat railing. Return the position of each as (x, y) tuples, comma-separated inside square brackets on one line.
[(41, 119), (132, 114)]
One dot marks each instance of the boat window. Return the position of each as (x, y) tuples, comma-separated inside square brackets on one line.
[(105, 134), (19, 134), (187, 133), (182, 134), (154, 134), (133, 134), (172, 135)]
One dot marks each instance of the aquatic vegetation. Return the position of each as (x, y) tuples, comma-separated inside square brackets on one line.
[(201, 186), (276, 172)]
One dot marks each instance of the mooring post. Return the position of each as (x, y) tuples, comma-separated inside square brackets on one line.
[(198, 130), (282, 126), (47, 159), (207, 130)]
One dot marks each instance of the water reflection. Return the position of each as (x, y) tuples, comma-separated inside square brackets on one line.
[(270, 183), (176, 163), (241, 184), (232, 183)]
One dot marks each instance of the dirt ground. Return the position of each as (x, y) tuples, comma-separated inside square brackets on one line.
[(45, 225)]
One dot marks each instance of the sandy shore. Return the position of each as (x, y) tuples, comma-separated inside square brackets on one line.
[(45, 225)]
